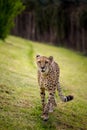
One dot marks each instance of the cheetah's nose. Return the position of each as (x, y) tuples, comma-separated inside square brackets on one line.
[(42, 67)]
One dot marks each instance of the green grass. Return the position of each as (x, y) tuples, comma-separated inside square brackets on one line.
[(20, 105)]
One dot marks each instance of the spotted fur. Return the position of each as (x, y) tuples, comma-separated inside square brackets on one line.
[(48, 79)]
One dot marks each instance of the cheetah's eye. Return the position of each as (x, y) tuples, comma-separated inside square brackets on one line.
[(46, 62), (39, 62)]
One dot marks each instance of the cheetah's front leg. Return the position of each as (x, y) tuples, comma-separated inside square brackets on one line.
[(42, 94), (49, 106)]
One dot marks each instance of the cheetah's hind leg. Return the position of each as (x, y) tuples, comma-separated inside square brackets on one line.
[(45, 117), (51, 108)]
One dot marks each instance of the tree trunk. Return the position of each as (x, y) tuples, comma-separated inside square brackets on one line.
[(83, 41)]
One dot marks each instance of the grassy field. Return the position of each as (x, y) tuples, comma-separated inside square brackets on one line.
[(20, 105)]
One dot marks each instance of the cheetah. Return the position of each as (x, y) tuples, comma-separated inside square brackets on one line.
[(48, 79)]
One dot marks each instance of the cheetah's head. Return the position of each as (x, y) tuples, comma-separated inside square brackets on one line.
[(43, 63)]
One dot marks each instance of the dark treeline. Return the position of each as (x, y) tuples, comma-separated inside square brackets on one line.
[(59, 22)]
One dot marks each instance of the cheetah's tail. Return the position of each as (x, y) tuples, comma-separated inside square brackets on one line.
[(68, 98), (64, 98)]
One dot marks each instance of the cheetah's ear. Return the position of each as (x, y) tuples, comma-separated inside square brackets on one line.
[(37, 56), (51, 58)]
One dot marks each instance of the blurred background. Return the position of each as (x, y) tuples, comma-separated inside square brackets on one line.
[(57, 22)]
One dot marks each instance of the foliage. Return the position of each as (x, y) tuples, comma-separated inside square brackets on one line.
[(8, 11)]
